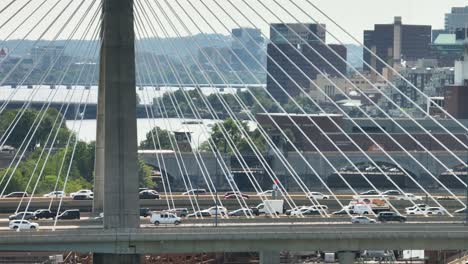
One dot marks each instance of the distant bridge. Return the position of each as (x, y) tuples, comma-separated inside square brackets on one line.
[(187, 85)]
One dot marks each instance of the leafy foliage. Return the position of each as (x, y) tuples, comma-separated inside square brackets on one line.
[(28, 118), (156, 133), (45, 174), (235, 134), (188, 98)]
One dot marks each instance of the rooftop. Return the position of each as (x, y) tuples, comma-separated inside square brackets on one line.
[(446, 39)]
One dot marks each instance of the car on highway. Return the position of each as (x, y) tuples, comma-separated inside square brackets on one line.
[(421, 206), (445, 198), (220, 211), (416, 211), (305, 211), (23, 225), (82, 195), (16, 195), (165, 219), (22, 216), (194, 192), (370, 192), (54, 194), (317, 196), (435, 211), (289, 211), (410, 197), (181, 212), (149, 194), (319, 207), (44, 214), (241, 212), (391, 217), (235, 195), (392, 193), (145, 212), (71, 214), (362, 220), (313, 207), (203, 213)]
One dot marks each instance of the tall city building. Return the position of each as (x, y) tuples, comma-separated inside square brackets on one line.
[(291, 58), (395, 43), (457, 18), (248, 46), (446, 49), (456, 95), (297, 34)]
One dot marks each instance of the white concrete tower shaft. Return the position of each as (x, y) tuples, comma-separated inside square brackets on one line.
[(116, 183)]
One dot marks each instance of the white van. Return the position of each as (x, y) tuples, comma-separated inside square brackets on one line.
[(165, 218), (360, 209)]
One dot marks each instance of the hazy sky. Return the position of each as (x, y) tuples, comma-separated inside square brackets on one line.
[(354, 15)]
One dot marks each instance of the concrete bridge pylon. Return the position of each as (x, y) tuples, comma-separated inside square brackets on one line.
[(116, 173)]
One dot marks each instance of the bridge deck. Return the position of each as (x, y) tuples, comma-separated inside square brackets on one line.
[(243, 239)]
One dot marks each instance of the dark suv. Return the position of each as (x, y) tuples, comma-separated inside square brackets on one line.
[(44, 214), (390, 216), (69, 215)]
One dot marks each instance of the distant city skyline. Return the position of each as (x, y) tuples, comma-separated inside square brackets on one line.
[(355, 16)]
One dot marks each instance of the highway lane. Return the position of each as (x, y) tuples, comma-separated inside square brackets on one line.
[(437, 225), (89, 222), (10, 205)]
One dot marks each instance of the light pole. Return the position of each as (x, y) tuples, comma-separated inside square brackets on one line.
[(216, 204), (466, 188)]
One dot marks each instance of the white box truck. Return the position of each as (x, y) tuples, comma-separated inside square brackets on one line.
[(270, 207)]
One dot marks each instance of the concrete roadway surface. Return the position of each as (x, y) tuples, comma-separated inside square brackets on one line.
[(87, 221), (437, 224), (8, 206)]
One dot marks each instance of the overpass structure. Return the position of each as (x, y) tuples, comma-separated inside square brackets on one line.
[(267, 239), (116, 179)]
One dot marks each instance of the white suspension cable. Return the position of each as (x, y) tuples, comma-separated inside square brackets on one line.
[(227, 107), (174, 102), (179, 159), (38, 117), (383, 111), (233, 185), (339, 109), (389, 67), (56, 120)]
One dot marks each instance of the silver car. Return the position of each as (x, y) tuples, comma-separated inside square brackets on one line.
[(362, 220)]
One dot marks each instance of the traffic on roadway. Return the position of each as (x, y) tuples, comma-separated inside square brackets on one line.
[(369, 207)]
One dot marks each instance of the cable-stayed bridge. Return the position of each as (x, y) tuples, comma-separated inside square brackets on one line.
[(293, 151)]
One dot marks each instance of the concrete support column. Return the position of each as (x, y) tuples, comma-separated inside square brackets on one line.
[(269, 257), (99, 258), (116, 157), (346, 257), (98, 201)]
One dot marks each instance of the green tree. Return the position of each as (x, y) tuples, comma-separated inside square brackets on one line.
[(29, 118), (164, 139), (236, 136), (144, 175)]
